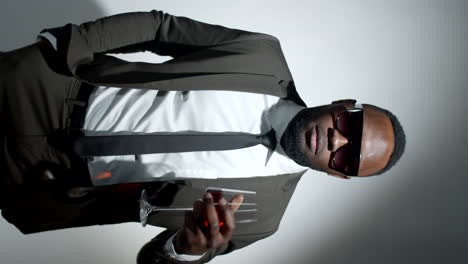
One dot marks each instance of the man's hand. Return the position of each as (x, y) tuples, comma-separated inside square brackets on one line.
[(202, 230)]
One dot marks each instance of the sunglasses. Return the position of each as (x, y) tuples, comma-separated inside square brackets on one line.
[(346, 159)]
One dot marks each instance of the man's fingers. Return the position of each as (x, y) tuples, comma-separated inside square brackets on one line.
[(215, 238), (192, 217), (228, 216), (190, 239), (236, 202), (212, 221)]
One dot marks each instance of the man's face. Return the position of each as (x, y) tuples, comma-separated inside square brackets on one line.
[(311, 138)]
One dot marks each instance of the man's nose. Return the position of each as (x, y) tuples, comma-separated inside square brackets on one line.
[(337, 140)]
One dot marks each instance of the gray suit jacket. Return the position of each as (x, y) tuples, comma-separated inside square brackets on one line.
[(204, 57)]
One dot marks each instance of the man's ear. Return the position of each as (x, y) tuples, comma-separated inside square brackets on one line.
[(345, 101)]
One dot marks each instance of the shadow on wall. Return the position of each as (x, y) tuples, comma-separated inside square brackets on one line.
[(21, 20), (421, 221)]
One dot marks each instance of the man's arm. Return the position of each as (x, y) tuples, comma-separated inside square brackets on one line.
[(153, 31), (152, 251), (201, 238), (273, 196)]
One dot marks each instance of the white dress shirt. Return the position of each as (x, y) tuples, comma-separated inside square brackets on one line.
[(122, 111)]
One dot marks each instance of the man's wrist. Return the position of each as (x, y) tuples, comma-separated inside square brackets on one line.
[(175, 244), (170, 250)]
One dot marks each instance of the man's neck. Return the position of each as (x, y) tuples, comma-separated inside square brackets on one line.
[(279, 116)]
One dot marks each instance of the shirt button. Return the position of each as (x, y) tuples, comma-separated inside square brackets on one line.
[(184, 95)]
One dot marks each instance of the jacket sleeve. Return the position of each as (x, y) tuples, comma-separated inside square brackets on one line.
[(153, 31), (153, 251)]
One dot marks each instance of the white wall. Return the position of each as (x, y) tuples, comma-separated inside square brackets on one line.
[(407, 56)]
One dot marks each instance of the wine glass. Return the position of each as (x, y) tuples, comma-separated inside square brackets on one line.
[(242, 215)]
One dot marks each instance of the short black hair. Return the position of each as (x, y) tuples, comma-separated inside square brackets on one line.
[(399, 135)]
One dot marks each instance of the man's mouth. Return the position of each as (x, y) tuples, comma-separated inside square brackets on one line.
[(312, 139)]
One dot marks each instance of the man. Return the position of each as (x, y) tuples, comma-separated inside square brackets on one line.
[(219, 80)]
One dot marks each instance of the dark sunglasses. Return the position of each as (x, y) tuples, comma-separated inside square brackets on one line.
[(346, 159)]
